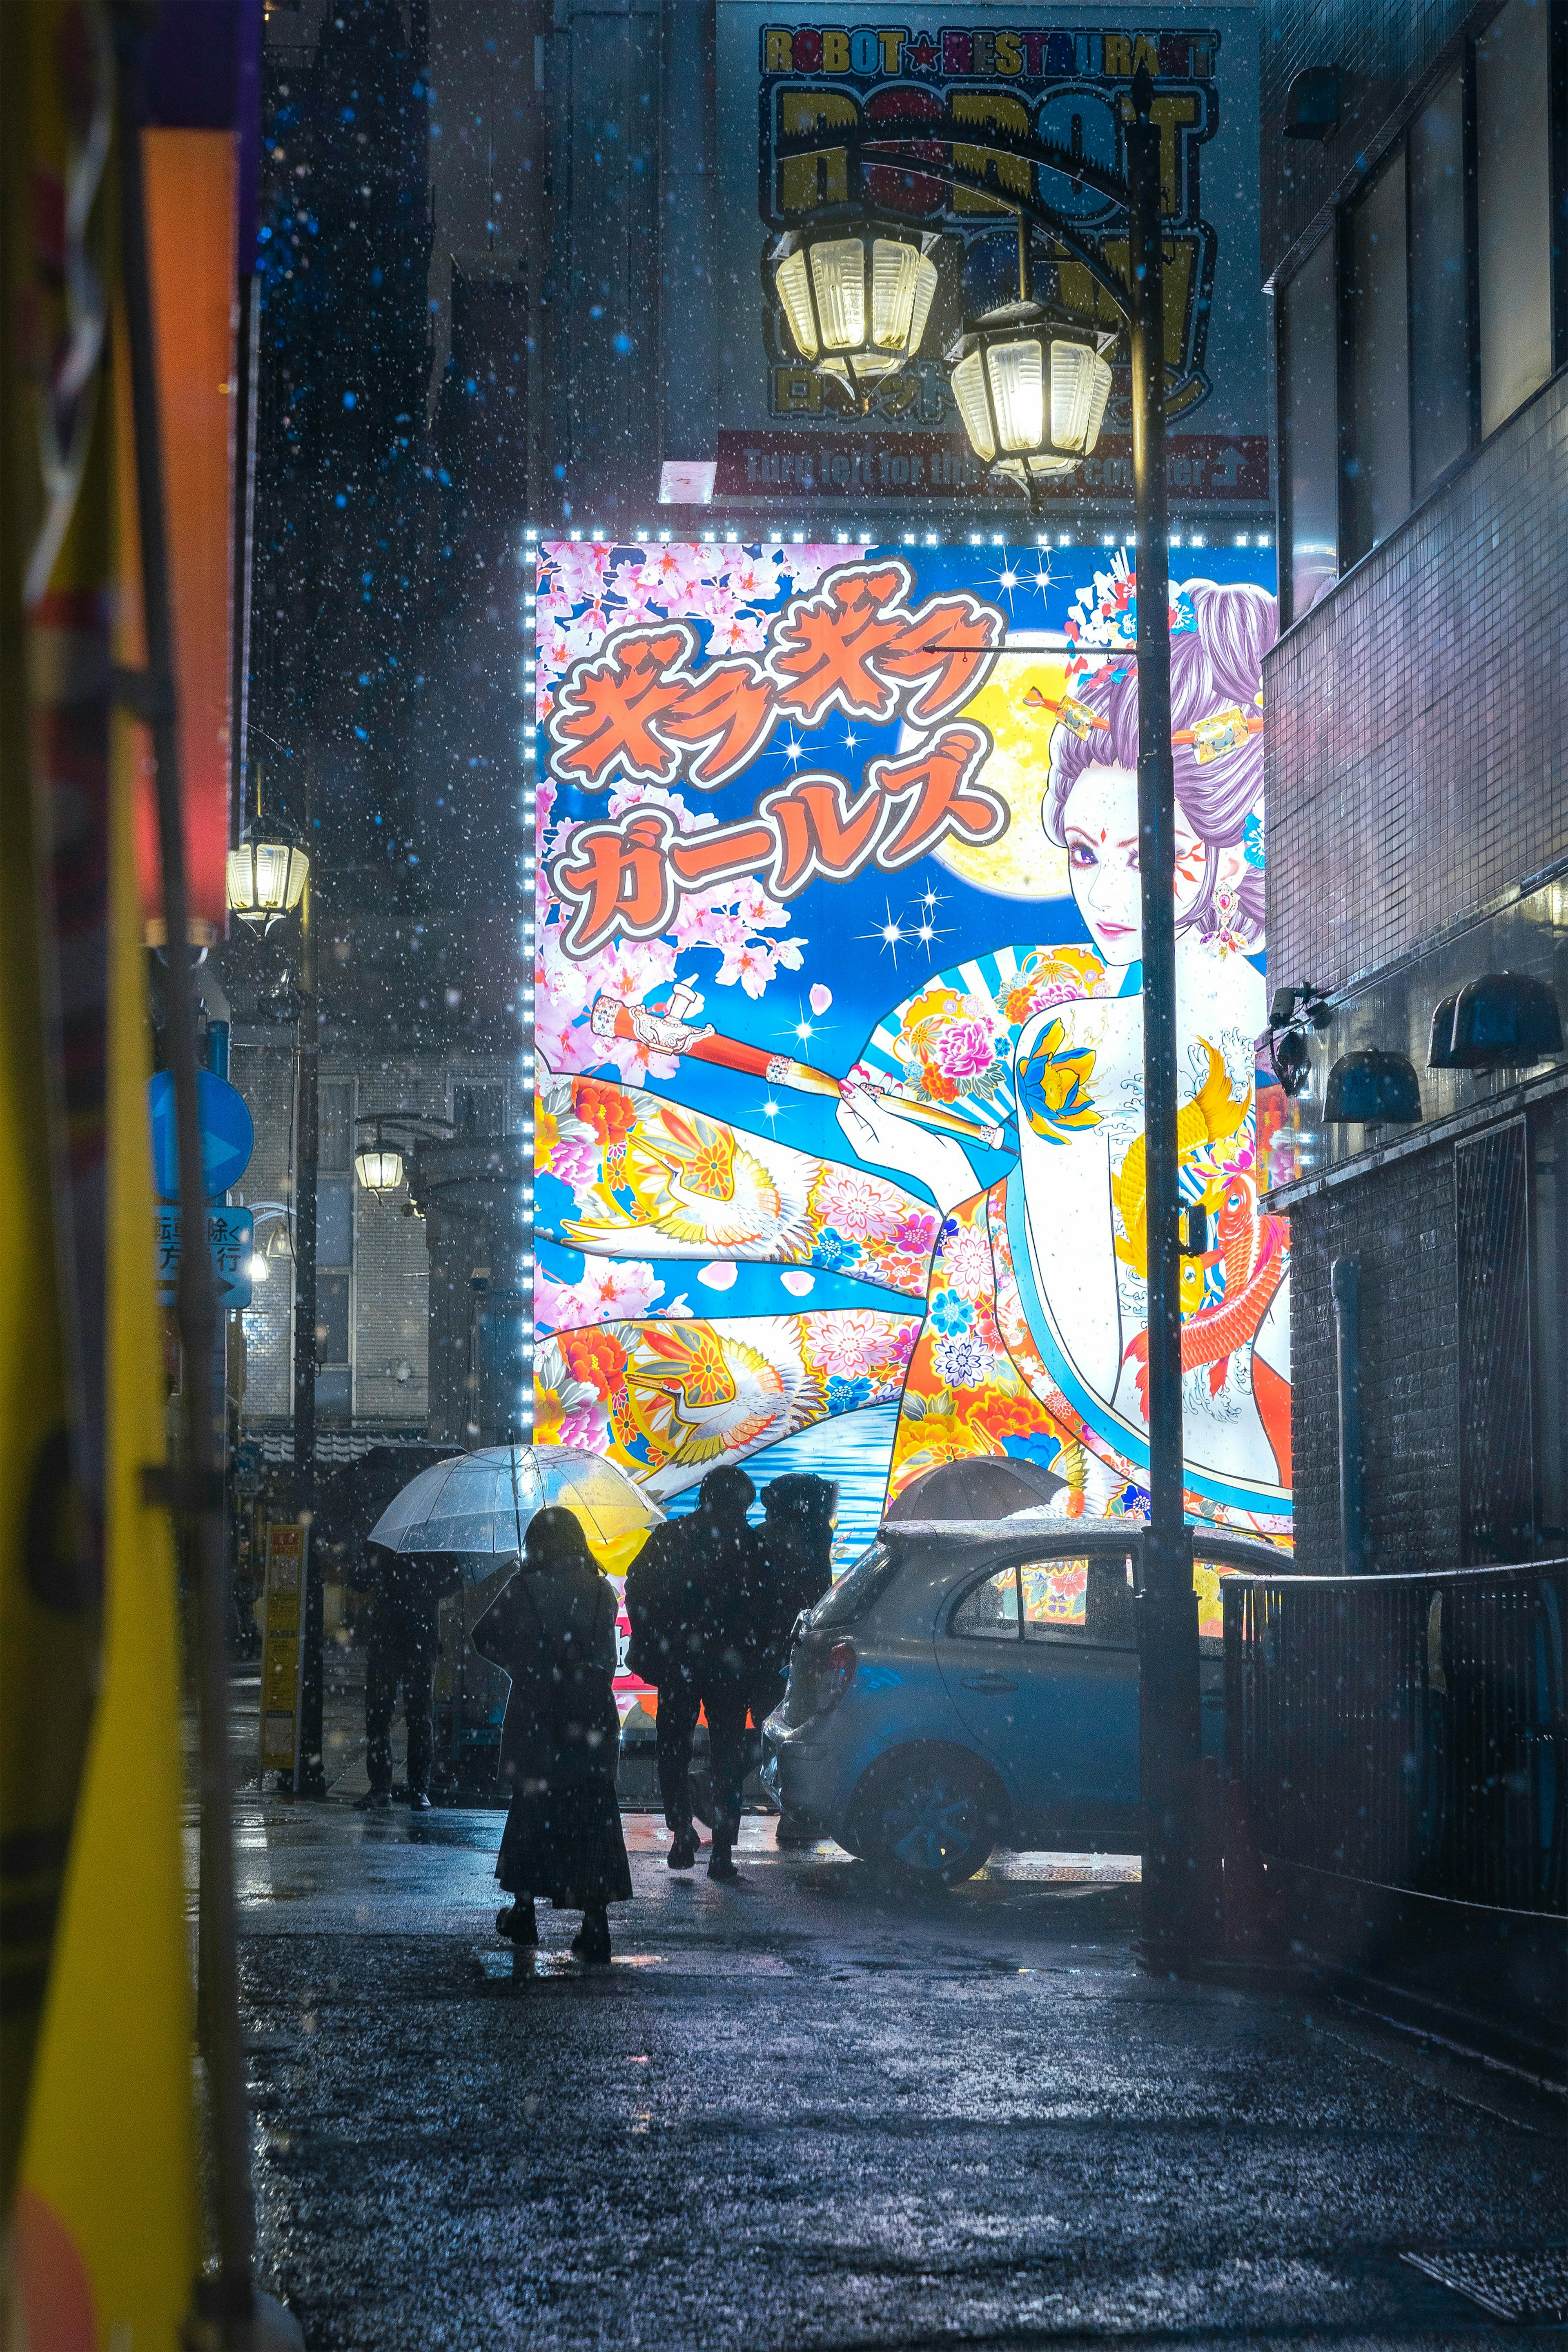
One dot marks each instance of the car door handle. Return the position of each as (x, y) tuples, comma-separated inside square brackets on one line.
[(989, 1682)]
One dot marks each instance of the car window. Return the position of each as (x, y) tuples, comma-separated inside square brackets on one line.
[(1090, 1600), (989, 1612), (854, 1593), (1056, 1595), (1206, 1574)]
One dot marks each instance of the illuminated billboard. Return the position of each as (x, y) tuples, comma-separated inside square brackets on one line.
[(839, 1021), (1056, 74)]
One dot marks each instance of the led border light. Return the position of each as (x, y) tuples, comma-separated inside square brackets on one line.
[(529, 950), (888, 531)]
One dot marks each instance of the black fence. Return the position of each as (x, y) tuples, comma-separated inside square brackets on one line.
[(1409, 1733)]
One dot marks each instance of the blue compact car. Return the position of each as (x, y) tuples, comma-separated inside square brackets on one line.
[(969, 1685)]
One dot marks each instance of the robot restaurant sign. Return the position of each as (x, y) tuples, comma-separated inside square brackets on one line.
[(1034, 54)]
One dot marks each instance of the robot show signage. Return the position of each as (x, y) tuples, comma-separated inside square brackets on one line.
[(1049, 74), (840, 1019)]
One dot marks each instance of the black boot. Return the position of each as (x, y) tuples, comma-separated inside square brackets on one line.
[(517, 1922), (591, 1941), (682, 1854), (374, 1801), (719, 1865)]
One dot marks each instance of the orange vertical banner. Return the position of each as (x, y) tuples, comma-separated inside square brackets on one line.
[(192, 186)]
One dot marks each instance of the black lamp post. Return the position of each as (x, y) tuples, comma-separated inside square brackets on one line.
[(1006, 366)]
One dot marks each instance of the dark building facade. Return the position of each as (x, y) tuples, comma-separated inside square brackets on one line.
[(1416, 777)]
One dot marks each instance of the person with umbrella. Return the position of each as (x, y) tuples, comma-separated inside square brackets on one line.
[(472, 1509), (552, 1630)]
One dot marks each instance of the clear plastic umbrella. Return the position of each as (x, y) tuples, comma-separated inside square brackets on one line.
[(478, 1506)]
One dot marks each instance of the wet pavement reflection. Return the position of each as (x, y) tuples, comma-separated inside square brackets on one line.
[(799, 2112)]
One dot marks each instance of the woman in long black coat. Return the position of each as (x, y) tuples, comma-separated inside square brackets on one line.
[(552, 1630)]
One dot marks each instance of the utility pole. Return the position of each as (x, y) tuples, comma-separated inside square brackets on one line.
[(1169, 1704), (309, 1779)]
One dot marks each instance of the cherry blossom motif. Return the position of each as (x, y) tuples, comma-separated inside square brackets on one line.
[(753, 579), (819, 998), (741, 633), (578, 570), (670, 570), (608, 1288)]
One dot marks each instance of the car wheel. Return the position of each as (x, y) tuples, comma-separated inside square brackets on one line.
[(926, 1816)]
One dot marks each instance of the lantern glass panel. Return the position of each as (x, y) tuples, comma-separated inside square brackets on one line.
[(298, 867), (271, 875), (968, 383), (924, 296), (1018, 393), (838, 273), (240, 881), (1080, 385), (895, 274), (379, 1171), (795, 293)]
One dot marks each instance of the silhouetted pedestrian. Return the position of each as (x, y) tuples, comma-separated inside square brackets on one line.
[(665, 1608), (552, 1630), (735, 1629), (406, 1592), (798, 1511)]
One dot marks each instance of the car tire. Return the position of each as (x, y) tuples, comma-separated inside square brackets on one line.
[(926, 1815)]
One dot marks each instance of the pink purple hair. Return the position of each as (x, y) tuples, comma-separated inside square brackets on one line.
[(1216, 664)]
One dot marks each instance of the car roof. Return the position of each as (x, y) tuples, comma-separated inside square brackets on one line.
[(1210, 1543)]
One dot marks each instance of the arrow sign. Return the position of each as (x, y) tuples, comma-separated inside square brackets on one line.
[(228, 1138), (231, 1238)]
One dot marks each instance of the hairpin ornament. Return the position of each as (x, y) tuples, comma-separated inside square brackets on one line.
[(1220, 732)]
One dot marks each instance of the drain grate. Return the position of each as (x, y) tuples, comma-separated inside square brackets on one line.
[(1521, 2287)]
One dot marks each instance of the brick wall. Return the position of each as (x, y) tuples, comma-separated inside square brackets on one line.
[(391, 1251), (1414, 756), (1397, 1223), (1384, 49)]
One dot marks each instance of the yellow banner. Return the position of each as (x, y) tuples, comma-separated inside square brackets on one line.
[(282, 1622)]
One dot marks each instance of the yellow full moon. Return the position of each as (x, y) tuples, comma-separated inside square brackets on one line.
[(1023, 863)]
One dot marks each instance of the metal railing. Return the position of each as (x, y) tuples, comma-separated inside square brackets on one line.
[(1410, 1732)]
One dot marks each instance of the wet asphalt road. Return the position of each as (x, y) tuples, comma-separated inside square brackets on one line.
[(795, 2114)]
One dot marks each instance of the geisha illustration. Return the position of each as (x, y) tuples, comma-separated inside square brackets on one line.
[(929, 1216)]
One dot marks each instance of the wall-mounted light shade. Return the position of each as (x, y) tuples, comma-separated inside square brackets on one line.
[(855, 297), (378, 1169), (1291, 1062), (280, 1242), (266, 880), (1440, 1045), (1366, 1089), (1505, 1020), (1031, 391)]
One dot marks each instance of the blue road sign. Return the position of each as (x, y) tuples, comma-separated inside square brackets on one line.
[(228, 1137), (231, 1239)]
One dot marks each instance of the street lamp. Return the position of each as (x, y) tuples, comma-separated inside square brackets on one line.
[(266, 876), (856, 294), (378, 1167), (1004, 377), (1031, 389)]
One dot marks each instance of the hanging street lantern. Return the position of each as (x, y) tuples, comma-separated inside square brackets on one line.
[(1031, 389), (265, 877), (856, 294), (378, 1167)]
